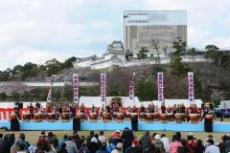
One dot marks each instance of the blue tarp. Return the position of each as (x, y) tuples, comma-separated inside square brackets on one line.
[(116, 125)]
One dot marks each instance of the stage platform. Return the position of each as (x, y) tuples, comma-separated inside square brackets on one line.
[(116, 125)]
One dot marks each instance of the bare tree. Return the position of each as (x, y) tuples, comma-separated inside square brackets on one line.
[(156, 46)]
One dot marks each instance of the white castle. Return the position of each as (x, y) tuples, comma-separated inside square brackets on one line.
[(115, 56)]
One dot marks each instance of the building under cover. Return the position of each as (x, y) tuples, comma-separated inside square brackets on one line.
[(142, 27)]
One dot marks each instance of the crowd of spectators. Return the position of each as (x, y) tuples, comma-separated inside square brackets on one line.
[(119, 142)]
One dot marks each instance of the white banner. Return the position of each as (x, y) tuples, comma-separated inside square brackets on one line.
[(49, 96), (103, 87), (75, 83), (160, 86), (190, 87)]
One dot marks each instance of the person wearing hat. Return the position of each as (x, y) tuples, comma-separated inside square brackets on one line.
[(116, 137), (94, 145), (127, 137), (118, 148), (211, 148), (158, 143)]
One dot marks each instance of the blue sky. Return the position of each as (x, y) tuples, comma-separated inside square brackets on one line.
[(38, 30)]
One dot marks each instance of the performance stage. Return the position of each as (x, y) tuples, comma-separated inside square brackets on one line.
[(116, 125)]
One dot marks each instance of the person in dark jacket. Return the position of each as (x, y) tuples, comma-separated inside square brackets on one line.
[(127, 138), (63, 149), (102, 148), (89, 137), (145, 142), (7, 142), (134, 148), (94, 145), (200, 147), (227, 144)]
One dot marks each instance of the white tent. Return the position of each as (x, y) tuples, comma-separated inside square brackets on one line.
[(171, 102), (25, 104), (88, 101), (127, 102)]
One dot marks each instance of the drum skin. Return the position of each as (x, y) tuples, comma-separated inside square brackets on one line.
[(119, 116), (65, 116), (26, 117), (163, 117), (179, 117), (93, 116), (37, 117), (149, 116), (106, 116), (170, 117), (51, 117), (194, 118), (156, 116)]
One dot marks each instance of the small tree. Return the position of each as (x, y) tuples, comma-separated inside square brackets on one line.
[(179, 46), (146, 90), (142, 53), (128, 54), (211, 51), (175, 63)]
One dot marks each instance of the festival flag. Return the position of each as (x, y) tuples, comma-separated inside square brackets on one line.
[(160, 86), (103, 91), (49, 97), (75, 83), (190, 87), (132, 87)]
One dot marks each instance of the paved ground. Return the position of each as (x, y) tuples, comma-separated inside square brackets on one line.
[(32, 136)]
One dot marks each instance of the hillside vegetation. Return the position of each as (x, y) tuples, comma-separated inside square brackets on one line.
[(212, 81)]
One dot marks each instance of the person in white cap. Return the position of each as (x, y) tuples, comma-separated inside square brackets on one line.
[(158, 143)]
